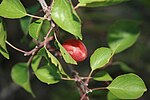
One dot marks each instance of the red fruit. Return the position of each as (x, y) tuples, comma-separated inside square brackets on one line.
[(76, 49)]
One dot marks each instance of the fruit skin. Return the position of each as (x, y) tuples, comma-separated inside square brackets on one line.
[(76, 49)]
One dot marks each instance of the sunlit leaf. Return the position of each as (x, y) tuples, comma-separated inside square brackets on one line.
[(65, 17), (110, 96), (102, 76), (100, 58), (12, 9), (34, 28), (48, 74), (127, 86)]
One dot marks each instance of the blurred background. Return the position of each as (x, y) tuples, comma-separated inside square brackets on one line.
[(95, 24)]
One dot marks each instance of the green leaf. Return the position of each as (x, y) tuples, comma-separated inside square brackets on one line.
[(100, 58), (64, 16), (25, 21), (20, 75), (123, 34), (34, 28), (3, 49), (45, 27), (124, 67), (56, 62), (4, 52), (110, 96), (12, 9), (65, 54), (48, 74), (35, 62), (102, 76), (99, 3), (127, 86)]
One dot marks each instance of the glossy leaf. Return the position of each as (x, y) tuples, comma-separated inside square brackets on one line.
[(127, 86), (48, 75), (55, 62), (99, 3), (110, 96), (3, 49), (12, 9), (102, 76), (100, 58), (123, 34), (20, 75), (65, 54), (35, 62), (34, 28), (65, 17)]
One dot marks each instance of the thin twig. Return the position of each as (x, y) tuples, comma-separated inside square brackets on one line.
[(15, 47), (38, 17), (83, 96), (43, 4), (101, 88), (88, 78), (69, 79), (46, 9), (76, 7), (31, 52), (45, 39)]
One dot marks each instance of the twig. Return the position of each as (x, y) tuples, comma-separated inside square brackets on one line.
[(83, 96), (45, 39), (88, 78), (76, 7), (31, 52), (38, 17), (46, 9), (43, 4), (81, 85), (39, 46), (101, 88), (16, 48), (67, 79)]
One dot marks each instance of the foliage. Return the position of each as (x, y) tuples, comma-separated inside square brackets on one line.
[(62, 15)]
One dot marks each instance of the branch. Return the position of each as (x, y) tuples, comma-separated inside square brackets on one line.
[(101, 88), (46, 9), (33, 51), (16, 48), (82, 86), (43, 4)]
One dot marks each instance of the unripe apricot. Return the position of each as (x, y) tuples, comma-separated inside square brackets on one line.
[(76, 49)]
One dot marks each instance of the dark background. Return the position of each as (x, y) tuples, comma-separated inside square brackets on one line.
[(95, 22)]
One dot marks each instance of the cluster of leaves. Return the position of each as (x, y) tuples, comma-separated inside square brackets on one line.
[(121, 35)]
